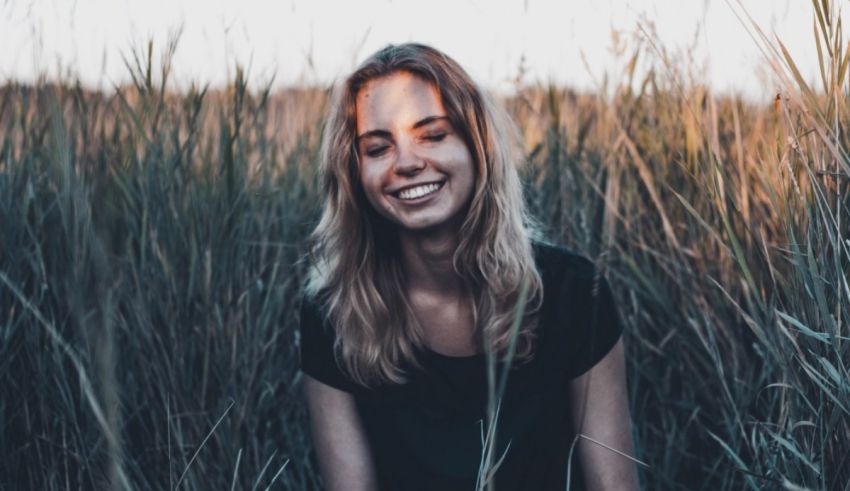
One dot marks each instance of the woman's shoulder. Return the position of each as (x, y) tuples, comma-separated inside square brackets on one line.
[(316, 341), (556, 259), (312, 309), (579, 315)]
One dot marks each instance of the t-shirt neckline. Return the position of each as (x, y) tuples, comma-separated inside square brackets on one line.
[(436, 354)]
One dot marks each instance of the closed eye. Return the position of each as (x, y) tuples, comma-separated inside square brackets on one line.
[(435, 137), (376, 151)]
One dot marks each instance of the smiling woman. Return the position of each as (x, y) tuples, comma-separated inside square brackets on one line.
[(421, 263)]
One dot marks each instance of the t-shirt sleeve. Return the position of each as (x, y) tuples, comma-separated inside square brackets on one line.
[(317, 351), (596, 321)]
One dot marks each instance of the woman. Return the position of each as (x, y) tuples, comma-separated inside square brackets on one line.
[(422, 260)]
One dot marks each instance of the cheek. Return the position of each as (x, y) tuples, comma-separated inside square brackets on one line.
[(456, 156), (371, 179), (464, 164)]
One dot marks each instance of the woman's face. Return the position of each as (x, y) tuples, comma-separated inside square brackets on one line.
[(415, 168)]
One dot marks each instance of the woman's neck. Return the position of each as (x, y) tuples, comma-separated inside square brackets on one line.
[(427, 259)]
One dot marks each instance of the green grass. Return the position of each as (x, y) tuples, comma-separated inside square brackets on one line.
[(149, 265)]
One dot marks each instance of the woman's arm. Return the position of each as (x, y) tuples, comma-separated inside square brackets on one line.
[(601, 412), (338, 436)]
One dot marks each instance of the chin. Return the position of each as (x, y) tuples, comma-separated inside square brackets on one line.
[(429, 225), (419, 226)]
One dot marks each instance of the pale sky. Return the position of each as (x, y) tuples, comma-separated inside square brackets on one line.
[(316, 41)]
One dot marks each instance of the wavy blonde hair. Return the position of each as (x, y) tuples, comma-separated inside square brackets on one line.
[(356, 273)]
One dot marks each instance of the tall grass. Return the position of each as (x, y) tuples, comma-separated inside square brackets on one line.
[(149, 247)]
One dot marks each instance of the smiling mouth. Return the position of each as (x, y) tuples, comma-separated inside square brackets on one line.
[(420, 191)]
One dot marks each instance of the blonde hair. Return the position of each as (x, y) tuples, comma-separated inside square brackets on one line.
[(356, 273)]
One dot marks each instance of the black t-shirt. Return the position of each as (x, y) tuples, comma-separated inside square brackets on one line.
[(427, 434)]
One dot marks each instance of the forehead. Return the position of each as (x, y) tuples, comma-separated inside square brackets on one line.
[(397, 100)]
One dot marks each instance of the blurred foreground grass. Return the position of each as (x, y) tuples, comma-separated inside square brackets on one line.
[(149, 265)]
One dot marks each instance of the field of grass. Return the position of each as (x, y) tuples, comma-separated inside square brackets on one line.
[(149, 265)]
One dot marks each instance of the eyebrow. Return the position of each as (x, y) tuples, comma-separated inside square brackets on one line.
[(386, 134)]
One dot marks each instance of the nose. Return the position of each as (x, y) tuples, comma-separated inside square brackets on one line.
[(408, 162)]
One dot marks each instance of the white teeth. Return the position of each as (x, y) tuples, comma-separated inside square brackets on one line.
[(418, 191)]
